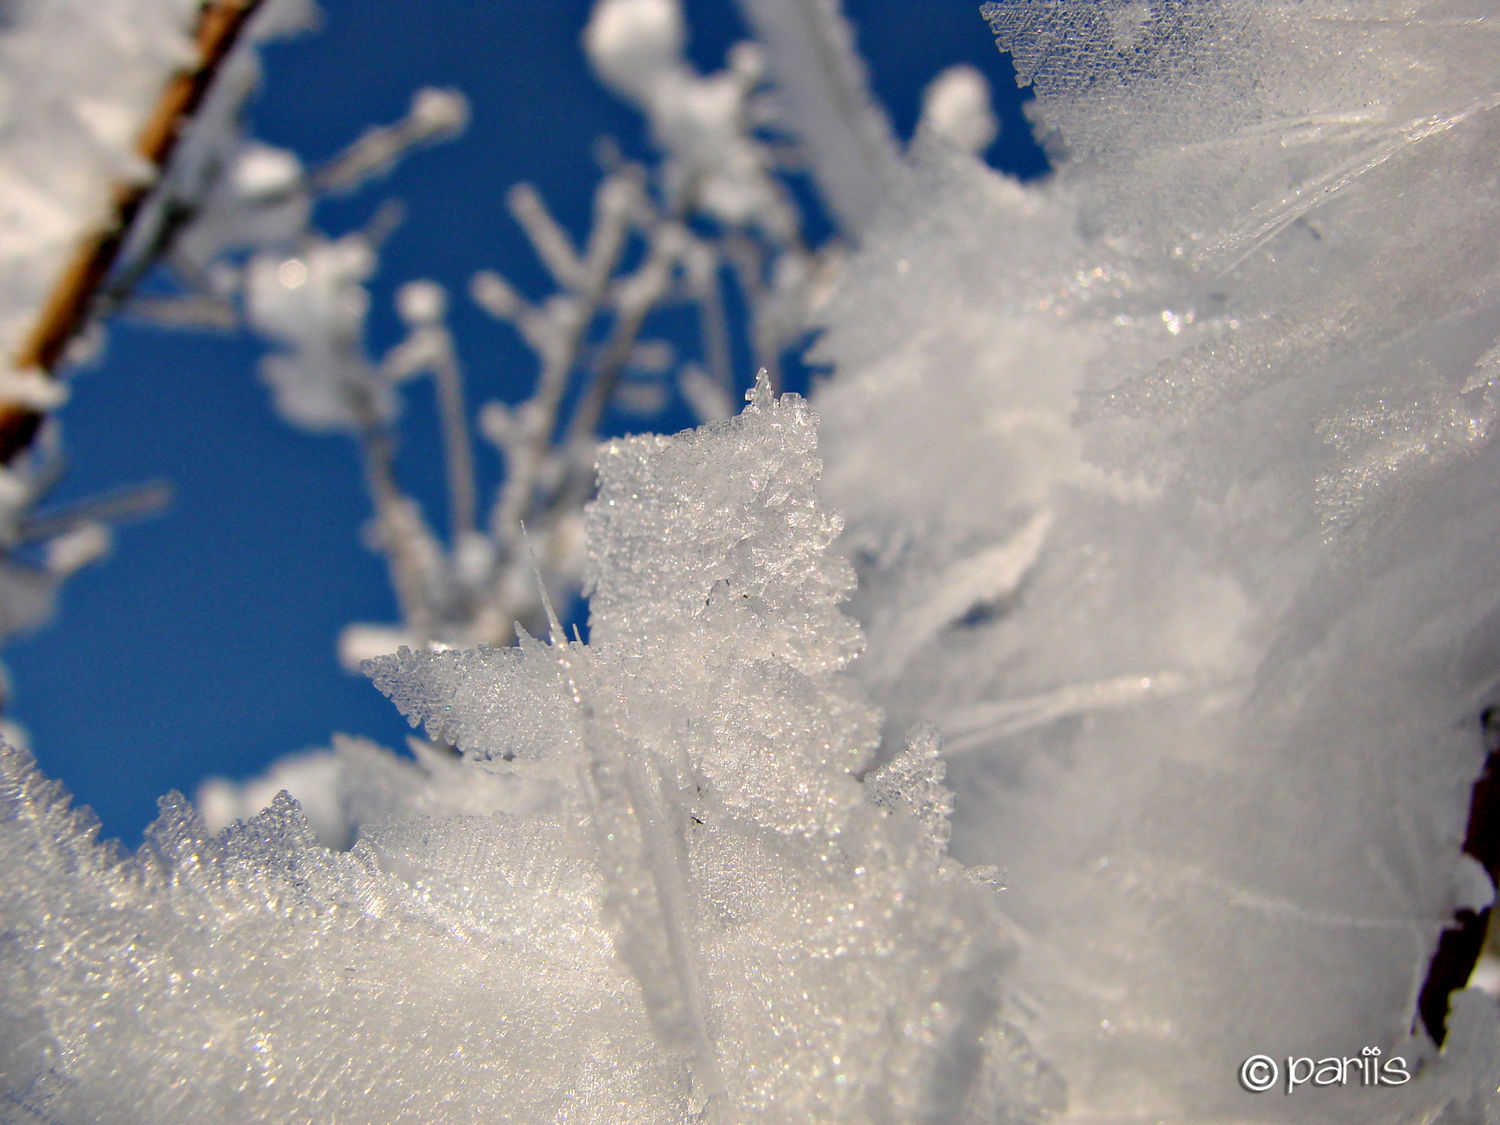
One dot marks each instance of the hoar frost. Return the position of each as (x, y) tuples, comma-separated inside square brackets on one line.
[(652, 889), (1171, 489)]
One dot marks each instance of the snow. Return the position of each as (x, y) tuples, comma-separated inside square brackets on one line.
[(421, 303), (704, 124), (313, 303), (651, 889), (631, 44), (79, 85), (956, 107), (823, 97), (1166, 489), (1151, 577)]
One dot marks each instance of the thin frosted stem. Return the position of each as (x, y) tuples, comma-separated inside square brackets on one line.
[(377, 457), (606, 245), (547, 237), (713, 327), (458, 448)]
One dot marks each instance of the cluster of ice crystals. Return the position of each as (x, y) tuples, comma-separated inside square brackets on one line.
[(703, 123), (312, 302), (1170, 484), (651, 890)]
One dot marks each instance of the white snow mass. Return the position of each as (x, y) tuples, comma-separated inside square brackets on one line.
[(1105, 717)]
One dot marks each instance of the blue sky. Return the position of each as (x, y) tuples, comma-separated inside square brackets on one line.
[(206, 643)]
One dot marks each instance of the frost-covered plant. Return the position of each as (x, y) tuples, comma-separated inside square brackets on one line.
[(711, 225), (1169, 486), (713, 215), (89, 133)]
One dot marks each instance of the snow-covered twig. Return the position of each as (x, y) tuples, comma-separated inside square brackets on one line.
[(68, 307)]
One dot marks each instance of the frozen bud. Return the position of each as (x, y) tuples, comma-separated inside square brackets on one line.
[(632, 43), (262, 172), (421, 303), (956, 108), (498, 425), (439, 111), (495, 295), (473, 559)]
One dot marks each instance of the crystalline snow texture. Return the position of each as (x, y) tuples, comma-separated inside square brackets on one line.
[(654, 889), (1234, 365)]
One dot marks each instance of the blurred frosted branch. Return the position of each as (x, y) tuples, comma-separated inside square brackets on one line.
[(822, 87), (711, 212), (89, 163), (708, 223), (434, 115), (68, 306)]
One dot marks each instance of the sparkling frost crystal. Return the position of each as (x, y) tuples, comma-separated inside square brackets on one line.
[(652, 889)]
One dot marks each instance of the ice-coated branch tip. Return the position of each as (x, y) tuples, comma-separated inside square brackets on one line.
[(761, 395)]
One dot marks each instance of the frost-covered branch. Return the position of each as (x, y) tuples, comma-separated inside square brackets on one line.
[(69, 304), (105, 103), (713, 213)]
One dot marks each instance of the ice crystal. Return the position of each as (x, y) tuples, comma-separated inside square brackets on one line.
[(652, 889), (1197, 436)]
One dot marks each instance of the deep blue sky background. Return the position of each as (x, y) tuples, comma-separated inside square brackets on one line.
[(206, 643)]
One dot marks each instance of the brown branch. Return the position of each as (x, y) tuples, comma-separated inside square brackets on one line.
[(67, 310)]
